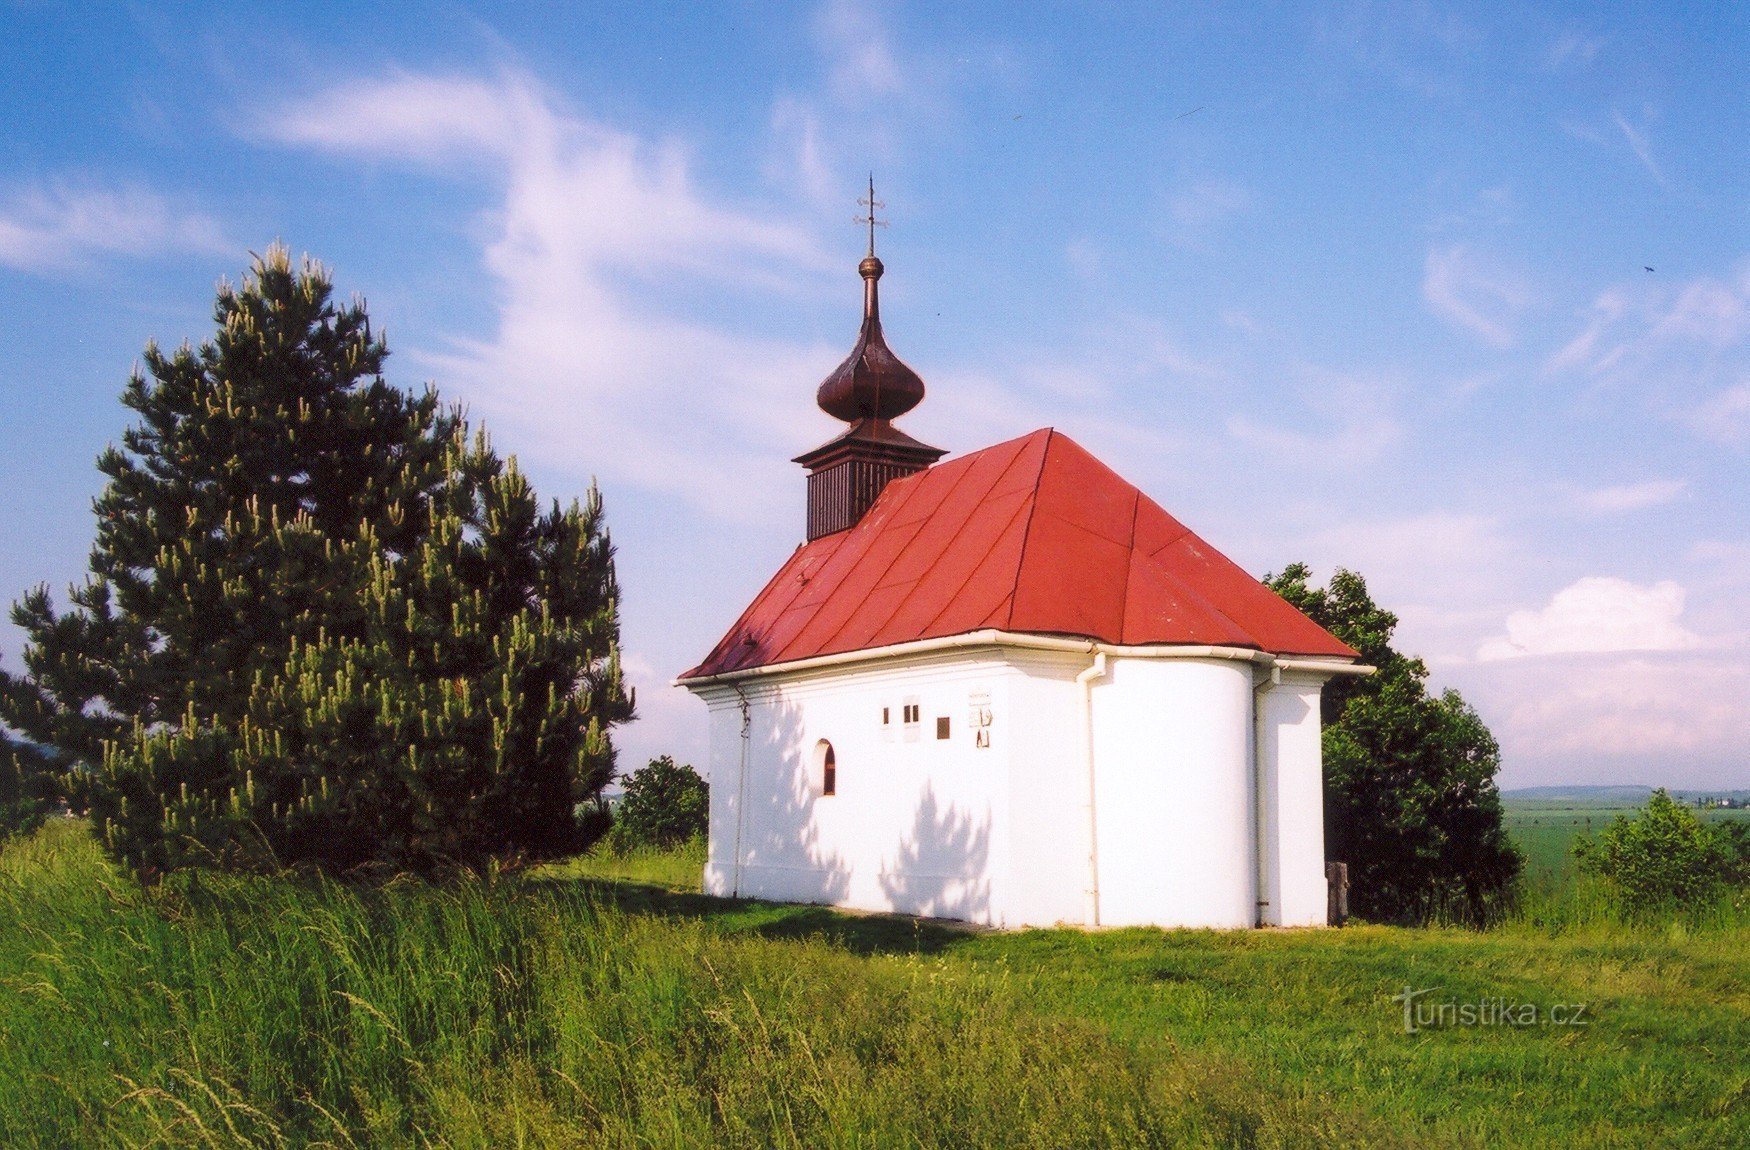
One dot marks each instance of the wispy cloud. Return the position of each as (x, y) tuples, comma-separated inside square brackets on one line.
[(859, 54), (1629, 496), (863, 99), (1685, 348), (1417, 46), (1440, 570), (1582, 350), (1475, 292), (1725, 416), (1637, 142), (591, 366), (61, 226), (1594, 615), (1355, 443), (1208, 202), (1573, 49)]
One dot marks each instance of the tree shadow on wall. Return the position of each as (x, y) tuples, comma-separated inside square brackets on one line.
[(940, 870), (781, 853)]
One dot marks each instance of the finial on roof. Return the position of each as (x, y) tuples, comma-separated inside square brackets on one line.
[(873, 205), (872, 383)]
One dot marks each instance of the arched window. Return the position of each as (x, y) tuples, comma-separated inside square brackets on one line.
[(826, 768)]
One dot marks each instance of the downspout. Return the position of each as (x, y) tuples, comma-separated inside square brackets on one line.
[(1085, 684), (740, 790), (1260, 851)]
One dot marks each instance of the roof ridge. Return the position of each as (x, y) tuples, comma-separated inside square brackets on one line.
[(1032, 511), (909, 543), (1129, 560), (979, 566), (1183, 589)]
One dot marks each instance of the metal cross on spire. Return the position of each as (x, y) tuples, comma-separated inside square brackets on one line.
[(873, 205)]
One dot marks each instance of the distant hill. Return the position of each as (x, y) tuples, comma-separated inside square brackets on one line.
[(1609, 795), (1625, 794)]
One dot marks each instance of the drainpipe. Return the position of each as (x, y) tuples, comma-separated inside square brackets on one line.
[(1085, 683), (740, 790), (1260, 821)]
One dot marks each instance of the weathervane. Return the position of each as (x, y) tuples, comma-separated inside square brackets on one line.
[(873, 205)]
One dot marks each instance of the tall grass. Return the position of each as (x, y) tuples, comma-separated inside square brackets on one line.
[(673, 868), (559, 1009), (1553, 896), (517, 1010)]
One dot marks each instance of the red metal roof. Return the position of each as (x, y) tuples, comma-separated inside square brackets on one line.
[(1033, 535)]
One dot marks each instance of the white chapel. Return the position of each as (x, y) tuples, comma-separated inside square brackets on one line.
[(1009, 688)]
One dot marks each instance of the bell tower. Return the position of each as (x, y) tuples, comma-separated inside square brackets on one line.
[(870, 389)]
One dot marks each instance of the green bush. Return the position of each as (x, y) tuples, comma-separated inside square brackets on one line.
[(1664, 856), (665, 803)]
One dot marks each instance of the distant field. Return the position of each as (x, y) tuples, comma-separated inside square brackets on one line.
[(1544, 829)]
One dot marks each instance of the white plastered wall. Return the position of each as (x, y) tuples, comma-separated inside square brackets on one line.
[(1173, 755), (917, 824), (1196, 760), (1291, 800)]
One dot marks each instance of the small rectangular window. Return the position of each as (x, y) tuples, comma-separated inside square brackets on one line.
[(913, 713), (942, 726), (886, 715)]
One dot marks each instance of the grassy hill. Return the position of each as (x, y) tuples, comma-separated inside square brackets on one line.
[(574, 1006)]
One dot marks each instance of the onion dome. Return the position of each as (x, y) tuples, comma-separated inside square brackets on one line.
[(872, 382)]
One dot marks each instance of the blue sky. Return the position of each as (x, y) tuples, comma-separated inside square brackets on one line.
[(1357, 284)]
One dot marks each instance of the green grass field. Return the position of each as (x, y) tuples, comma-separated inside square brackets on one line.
[(567, 1008), (1545, 829)]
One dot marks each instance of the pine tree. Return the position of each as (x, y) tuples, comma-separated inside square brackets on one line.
[(324, 623), (26, 786)]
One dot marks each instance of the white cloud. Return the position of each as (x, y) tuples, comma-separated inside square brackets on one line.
[(1712, 311), (1447, 574), (60, 226), (1643, 709), (1637, 142), (1629, 496), (1475, 292), (1607, 309), (868, 103), (1725, 416), (1685, 348), (592, 221), (1208, 202), (1358, 442), (1597, 614), (798, 155), (1573, 49), (1346, 422), (859, 55), (1440, 556)]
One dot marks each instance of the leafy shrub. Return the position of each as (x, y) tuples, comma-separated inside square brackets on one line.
[(1663, 856), (665, 803)]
